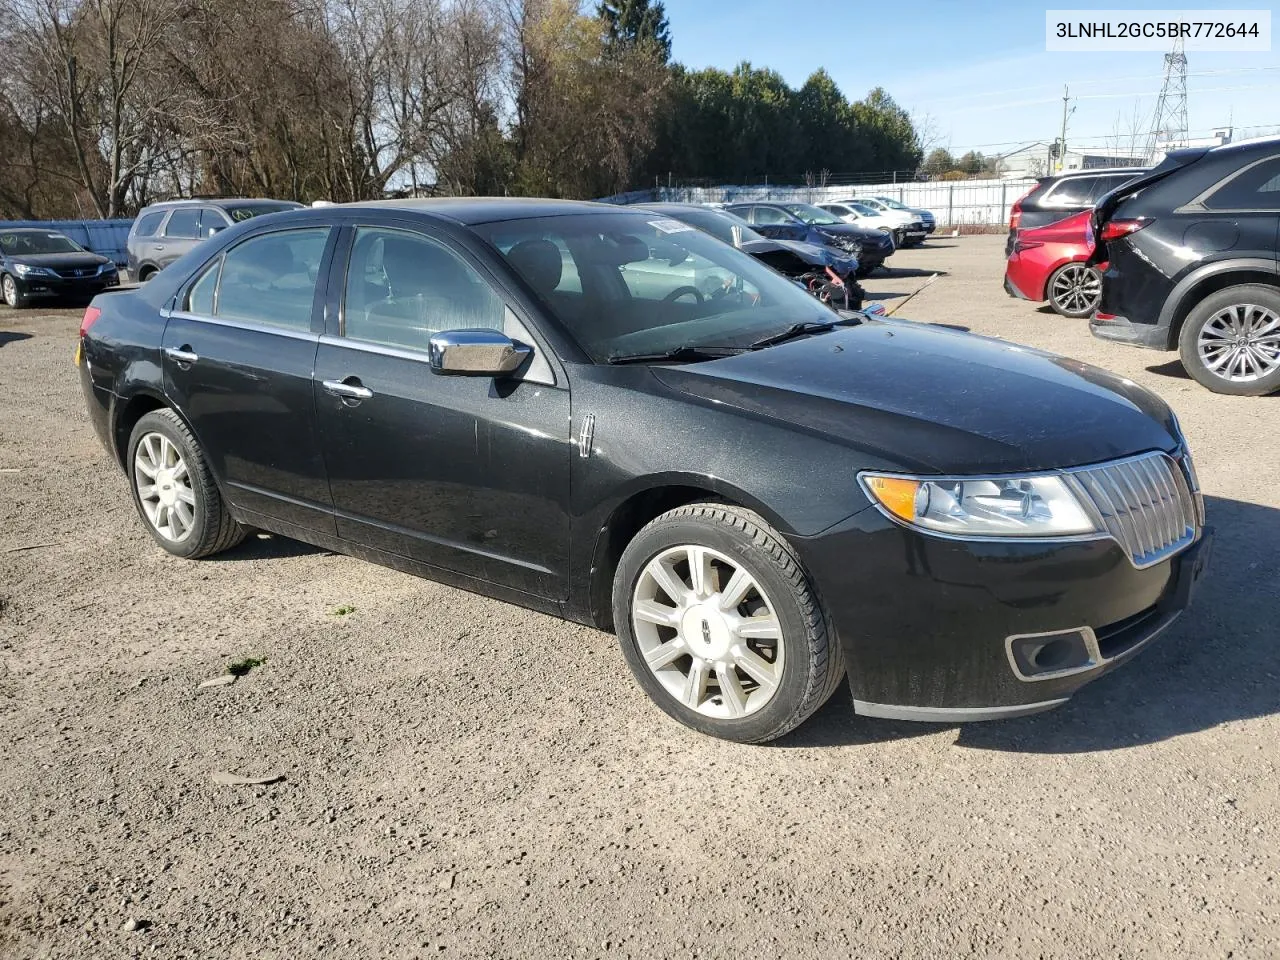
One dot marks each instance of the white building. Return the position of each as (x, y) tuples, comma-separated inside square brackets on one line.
[(1036, 159)]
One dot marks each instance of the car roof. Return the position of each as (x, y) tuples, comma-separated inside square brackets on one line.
[(43, 230), (474, 210), (212, 202), (1093, 172)]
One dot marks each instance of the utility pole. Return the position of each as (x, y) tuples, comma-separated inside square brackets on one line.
[(1062, 140)]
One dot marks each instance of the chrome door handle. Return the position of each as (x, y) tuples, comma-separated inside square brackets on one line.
[(181, 356), (347, 390), (157, 246)]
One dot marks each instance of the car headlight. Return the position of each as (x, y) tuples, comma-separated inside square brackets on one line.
[(107, 268), (1041, 506), (26, 270)]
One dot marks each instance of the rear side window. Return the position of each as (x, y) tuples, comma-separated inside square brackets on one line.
[(272, 278), (1072, 192), (1253, 188), (182, 224), (200, 299), (1104, 185), (148, 224)]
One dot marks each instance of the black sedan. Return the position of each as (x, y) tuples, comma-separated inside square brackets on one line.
[(44, 264), (810, 224), (825, 272), (537, 400)]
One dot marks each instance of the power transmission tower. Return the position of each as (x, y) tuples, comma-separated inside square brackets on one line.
[(1170, 121)]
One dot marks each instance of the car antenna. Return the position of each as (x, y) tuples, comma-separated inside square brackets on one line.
[(932, 278)]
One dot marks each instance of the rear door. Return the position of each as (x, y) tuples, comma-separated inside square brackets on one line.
[(470, 474), (238, 353), (180, 234)]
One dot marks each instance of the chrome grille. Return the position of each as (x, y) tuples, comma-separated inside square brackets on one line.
[(1144, 503)]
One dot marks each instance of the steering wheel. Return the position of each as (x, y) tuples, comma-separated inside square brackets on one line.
[(679, 292)]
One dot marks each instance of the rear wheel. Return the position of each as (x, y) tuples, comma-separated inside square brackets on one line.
[(1075, 290), (145, 274), (1230, 342), (174, 490), (720, 625)]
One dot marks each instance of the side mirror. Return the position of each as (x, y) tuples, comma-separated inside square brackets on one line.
[(476, 353), (214, 229)]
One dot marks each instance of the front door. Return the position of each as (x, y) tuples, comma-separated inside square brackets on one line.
[(470, 474), (238, 354)]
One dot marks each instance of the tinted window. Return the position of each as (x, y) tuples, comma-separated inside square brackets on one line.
[(249, 210), (148, 224), (212, 217), (1104, 185), (200, 299), (182, 223), (36, 242), (402, 288), (1254, 188), (272, 278), (1074, 191), (769, 215)]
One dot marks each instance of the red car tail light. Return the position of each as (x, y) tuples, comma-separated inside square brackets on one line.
[(91, 314), (1020, 245), (1115, 229)]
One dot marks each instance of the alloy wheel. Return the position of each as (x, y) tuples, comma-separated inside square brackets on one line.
[(164, 487), (8, 291), (1076, 289), (1241, 343), (707, 631)]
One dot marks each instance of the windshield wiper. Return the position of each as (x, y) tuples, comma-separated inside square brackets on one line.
[(678, 354), (793, 331)]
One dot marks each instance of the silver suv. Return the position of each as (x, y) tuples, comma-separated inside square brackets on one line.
[(163, 232)]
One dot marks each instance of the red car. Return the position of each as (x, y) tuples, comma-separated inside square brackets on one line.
[(1048, 263)]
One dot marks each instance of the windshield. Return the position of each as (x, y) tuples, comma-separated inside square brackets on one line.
[(20, 242), (811, 214), (237, 214), (863, 210), (893, 204), (639, 282), (718, 223)]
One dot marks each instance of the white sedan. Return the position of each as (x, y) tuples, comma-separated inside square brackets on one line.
[(851, 211)]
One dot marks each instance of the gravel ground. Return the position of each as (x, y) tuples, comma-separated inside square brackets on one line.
[(463, 778)]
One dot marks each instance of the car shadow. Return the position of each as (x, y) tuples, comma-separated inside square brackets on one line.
[(902, 273), (887, 295), (1172, 368), (1218, 664), (266, 546), (12, 336)]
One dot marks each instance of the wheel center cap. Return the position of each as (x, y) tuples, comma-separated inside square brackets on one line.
[(705, 631), (166, 487)]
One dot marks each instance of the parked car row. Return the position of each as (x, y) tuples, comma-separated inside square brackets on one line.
[(1184, 256)]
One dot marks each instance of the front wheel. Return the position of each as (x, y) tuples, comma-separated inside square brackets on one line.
[(1075, 289), (174, 490), (1230, 342), (720, 625), (10, 293)]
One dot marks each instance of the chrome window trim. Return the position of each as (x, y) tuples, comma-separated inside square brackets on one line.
[(1067, 475), (251, 325)]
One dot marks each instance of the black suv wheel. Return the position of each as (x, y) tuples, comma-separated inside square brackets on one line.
[(1230, 342)]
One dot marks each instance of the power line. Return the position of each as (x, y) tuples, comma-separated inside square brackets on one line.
[(1206, 131)]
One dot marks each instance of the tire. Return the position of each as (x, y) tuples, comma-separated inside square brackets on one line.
[(205, 526), (145, 274), (1074, 290), (10, 294), (807, 663), (1252, 309)]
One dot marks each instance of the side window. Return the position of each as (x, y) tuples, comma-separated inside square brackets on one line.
[(768, 215), (1254, 188), (402, 288), (1072, 192), (200, 298), (148, 224), (211, 221), (1104, 185), (182, 223), (272, 278)]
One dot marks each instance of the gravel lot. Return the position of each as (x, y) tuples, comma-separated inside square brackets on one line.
[(463, 778)]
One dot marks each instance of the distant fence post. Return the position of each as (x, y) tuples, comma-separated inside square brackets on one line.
[(951, 197), (1003, 187)]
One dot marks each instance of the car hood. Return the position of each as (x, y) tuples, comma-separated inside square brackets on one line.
[(60, 261), (921, 398), (810, 253)]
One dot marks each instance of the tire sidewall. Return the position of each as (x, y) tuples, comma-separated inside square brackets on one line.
[(798, 658), (1062, 311), (160, 422), (1188, 336)]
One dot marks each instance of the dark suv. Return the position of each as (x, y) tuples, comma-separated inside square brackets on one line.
[(1193, 265), (1058, 197), (165, 231)]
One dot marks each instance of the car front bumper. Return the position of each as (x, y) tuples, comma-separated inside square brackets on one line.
[(930, 626), (61, 288)]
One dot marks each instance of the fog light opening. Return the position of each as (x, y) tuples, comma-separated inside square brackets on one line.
[(1046, 655)]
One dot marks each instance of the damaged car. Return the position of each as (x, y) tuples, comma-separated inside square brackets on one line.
[(825, 272), (809, 224)]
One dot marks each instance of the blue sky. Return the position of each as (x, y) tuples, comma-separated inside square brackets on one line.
[(980, 70)]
